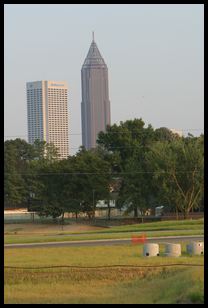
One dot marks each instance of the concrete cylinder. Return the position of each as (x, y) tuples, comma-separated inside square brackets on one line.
[(172, 250), (195, 248), (151, 250)]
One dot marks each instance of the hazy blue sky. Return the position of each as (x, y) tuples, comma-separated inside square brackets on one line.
[(154, 54)]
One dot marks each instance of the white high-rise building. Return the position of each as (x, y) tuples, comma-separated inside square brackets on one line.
[(47, 114)]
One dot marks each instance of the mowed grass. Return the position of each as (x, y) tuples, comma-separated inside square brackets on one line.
[(28, 233), (73, 227), (176, 284)]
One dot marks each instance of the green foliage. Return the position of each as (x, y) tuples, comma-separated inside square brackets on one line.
[(138, 166), (130, 141), (17, 153), (92, 179), (126, 138), (44, 151), (179, 169), (51, 210), (156, 167), (77, 183), (165, 134), (21, 164)]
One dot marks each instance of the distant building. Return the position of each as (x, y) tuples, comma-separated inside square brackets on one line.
[(159, 210), (95, 106), (178, 132), (47, 114)]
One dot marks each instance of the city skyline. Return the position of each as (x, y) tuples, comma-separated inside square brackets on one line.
[(154, 55)]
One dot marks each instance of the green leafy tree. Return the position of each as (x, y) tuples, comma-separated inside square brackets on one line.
[(72, 183), (179, 167), (124, 139), (45, 151), (17, 154), (21, 164), (137, 192), (129, 142), (165, 134), (93, 176)]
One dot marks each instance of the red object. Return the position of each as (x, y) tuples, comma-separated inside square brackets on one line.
[(138, 239)]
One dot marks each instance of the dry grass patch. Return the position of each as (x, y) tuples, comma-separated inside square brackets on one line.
[(29, 228), (163, 286), (100, 285)]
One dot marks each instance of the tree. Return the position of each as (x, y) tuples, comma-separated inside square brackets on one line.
[(45, 151), (137, 189), (93, 176), (179, 169), (72, 183), (165, 134), (130, 141), (22, 162), (17, 154), (43, 155), (51, 210), (124, 139)]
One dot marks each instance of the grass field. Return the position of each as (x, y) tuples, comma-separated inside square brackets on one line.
[(116, 284), (30, 233), (175, 284)]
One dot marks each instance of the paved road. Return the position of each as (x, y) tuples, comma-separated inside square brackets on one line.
[(107, 242)]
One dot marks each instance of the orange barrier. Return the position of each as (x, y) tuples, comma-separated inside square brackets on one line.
[(138, 239)]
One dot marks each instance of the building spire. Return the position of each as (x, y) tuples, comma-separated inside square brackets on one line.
[(94, 57)]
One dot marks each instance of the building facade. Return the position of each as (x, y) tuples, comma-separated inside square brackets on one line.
[(177, 131), (47, 114), (95, 105)]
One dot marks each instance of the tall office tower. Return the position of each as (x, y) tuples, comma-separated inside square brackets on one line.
[(95, 104), (47, 114)]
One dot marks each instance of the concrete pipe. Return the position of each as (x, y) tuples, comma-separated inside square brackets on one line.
[(151, 250), (195, 248), (172, 250)]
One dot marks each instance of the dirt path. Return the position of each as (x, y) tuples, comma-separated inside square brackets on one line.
[(46, 228)]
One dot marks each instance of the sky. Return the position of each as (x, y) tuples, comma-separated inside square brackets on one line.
[(154, 54)]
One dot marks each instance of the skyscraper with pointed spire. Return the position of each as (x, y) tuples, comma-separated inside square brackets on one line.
[(95, 104)]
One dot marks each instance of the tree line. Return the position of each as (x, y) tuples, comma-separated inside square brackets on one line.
[(140, 167)]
